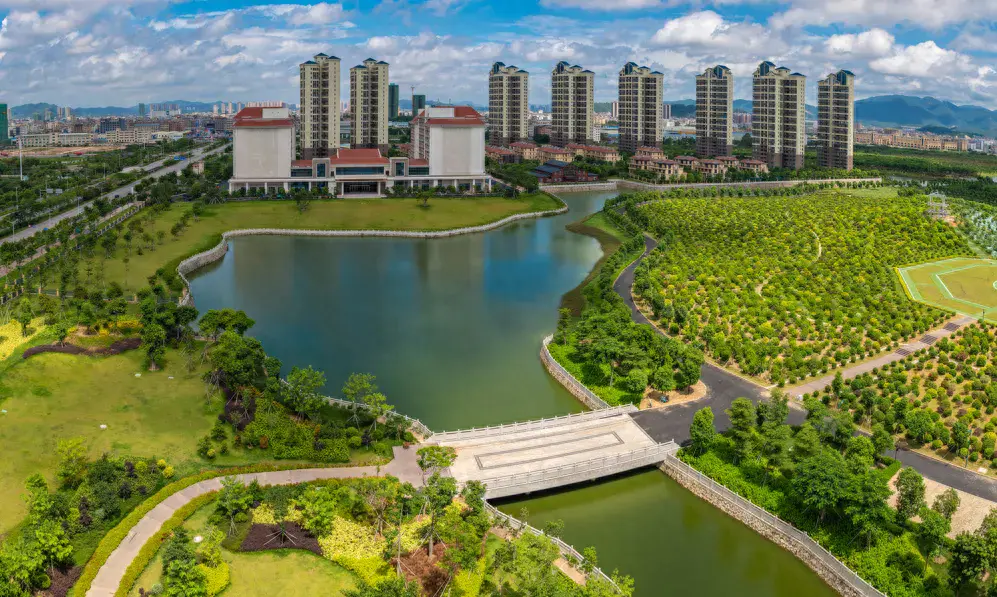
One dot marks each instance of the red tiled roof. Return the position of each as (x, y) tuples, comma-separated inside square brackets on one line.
[(752, 162), (556, 150), (498, 150), (710, 162), (417, 162), (727, 158), (301, 164), (253, 117), (525, 144), (684, 157), (650, 149), (358, 156), (462, 116)]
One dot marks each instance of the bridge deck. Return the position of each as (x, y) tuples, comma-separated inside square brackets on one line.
[(527, 458)]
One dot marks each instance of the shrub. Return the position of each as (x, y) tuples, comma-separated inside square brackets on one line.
[(217, 577)]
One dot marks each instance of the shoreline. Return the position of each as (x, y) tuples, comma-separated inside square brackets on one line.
[(195, 262)]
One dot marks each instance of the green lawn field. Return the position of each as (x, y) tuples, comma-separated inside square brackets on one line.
[(964, 285), (382, 214)]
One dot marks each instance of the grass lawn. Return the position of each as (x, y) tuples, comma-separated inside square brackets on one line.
[(382, 214), (51, 397)]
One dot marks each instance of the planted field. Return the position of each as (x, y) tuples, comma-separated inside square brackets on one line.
[(783, 288), (962, 285)]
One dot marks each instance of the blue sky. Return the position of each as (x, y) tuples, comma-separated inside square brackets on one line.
[(121, 52)]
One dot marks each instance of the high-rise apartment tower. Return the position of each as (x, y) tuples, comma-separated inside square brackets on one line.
[(836, 120), (319, 107), (714, 112), (393, 98), (572, 90), (508, 104), (778, 116), (639, 107), (369, 104)]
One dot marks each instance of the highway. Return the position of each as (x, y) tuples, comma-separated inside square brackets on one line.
[(175, 167)]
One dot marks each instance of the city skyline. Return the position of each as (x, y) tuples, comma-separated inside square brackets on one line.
[(109, 52)]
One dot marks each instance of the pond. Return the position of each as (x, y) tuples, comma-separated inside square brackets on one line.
[(452, 329)]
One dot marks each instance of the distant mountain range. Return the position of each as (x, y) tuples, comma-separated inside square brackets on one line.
[(931, 114)]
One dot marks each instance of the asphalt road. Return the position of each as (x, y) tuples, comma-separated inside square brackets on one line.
[(176, 167), (724, 387)]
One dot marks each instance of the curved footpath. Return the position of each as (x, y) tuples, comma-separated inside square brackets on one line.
[(108, 579), (724, 387)]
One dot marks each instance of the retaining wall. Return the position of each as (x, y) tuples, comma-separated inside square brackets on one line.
[(198, 261), (577, 388), (823, 563)]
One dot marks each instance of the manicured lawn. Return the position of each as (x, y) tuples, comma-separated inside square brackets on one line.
[(382, 214)]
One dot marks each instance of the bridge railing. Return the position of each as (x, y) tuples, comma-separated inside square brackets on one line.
[(567, 551), (535, 424), (415, 424), (587, 469)]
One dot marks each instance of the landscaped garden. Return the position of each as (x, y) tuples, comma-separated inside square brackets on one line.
[(358, 537), (792, 285), (830, 484)]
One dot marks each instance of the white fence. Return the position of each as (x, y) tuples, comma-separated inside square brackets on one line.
[(852, 582), (459, 434), (569, 381), (559, 476), (567, 551), (415, 424)]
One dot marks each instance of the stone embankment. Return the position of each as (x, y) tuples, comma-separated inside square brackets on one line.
[(831, 570), (577, 388), (200, 260), (633, 185)]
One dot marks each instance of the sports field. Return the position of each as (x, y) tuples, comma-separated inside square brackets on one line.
[(961, 284)]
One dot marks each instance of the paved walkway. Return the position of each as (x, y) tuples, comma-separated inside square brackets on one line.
[(950, 327), (724, 387), (109, 577)]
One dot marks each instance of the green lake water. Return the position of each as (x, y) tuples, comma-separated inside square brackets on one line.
[(452, 329)]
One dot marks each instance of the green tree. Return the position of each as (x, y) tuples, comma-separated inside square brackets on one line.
[(154, 341), (742, 427), (702, 431), (439, 493), (237, 361), (301, 391), (53, 542), (881, 439), (318, 509), (234, 498), (860, 453), (19, 561), (919, 425), (358, 385), (821, 481), (72, 461), (433, 459), (865, 502), (968, 560), (377, 406), (931, 532), (806, 444), (946, 503), (910, 494)]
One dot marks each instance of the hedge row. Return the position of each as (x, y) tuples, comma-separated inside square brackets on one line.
[(151, 547), (116, 535)]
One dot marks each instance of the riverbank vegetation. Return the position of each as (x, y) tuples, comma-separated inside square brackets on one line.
[(603, 348), (791, 286), (940, 400), (827, 482), (912, 162)]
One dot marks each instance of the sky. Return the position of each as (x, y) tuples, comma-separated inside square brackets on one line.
[(85, 53)]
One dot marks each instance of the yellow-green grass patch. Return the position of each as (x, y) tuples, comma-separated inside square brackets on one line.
[(961, 284)]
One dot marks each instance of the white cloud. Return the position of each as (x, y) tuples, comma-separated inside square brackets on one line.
[(707, 29), (602, 5), (322, 13), (874, 42), (925, 59), (930, 14)]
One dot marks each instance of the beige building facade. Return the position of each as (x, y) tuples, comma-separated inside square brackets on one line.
[(714, 112), (572, 104), (778, 116), (369, 105), (836, 120), (319, 108), (508, 104), (640, 99)]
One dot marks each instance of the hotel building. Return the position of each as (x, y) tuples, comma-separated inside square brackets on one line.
[(508, 104), (369, 105), (640, 107), (714, 112), (836, 120), (572, 104), (778, 116), (319, 108)]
